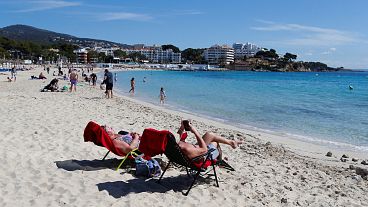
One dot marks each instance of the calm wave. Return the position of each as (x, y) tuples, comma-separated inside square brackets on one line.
[(318, 105)]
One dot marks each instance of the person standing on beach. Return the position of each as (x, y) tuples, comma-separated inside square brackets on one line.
[(73, 77), (93, 79), (60, 73), (48, 70), (162, 96), (14, 73), (132, 86), (109, 81), (116, 77)]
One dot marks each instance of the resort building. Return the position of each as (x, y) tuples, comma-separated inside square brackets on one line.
[(219, 54), (107, 51), (81, 55), (245, 50), (155, 54)]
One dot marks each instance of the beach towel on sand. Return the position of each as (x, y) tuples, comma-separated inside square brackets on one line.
[(96, 134)]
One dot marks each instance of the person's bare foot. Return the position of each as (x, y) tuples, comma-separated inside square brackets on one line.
[(234, 144)]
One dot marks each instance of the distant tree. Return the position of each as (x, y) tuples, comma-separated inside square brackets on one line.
[(267, 54), (136, 56), (173, 47), (120, 54), (193, 55), (289, 56), (4, 54), (92, 55), (67, 50), (109, 59), (101, 57)]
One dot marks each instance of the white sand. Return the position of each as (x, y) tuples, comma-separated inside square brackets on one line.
[(45, 162)]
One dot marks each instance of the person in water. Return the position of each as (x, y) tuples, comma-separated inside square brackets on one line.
[(162, 95), (132, 86)]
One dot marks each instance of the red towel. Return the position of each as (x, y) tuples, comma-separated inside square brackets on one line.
[(96, 134), (153, 142)]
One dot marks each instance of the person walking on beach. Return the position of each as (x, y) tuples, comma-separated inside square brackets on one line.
[(109, 81), (48, 70), (73, 77), (132, 86), (14, 73), (60, 73), (116, 77), (162, 96), (93, 79)]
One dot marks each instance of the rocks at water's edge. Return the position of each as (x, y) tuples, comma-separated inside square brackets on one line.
[(329, 154)]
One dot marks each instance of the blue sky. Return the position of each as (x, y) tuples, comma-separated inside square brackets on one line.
[(334, 32)]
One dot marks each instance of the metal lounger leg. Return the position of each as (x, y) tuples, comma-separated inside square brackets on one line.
[(191, 185), (105, 155), (214, 172), (196, 176), (167, 166)]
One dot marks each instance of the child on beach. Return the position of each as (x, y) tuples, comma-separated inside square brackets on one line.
[(162, 95)]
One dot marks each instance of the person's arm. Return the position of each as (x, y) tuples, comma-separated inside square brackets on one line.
[(200, 141), (181, 129)]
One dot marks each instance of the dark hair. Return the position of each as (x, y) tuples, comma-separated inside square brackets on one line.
[(132, 79), (122, 132), (106, 71)]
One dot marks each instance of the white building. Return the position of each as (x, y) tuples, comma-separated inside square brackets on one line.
[(107, 51), (219, 54), (81, 55), (155, 54), (247, 49)]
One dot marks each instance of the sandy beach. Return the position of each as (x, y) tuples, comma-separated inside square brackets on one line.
[(45, 162)]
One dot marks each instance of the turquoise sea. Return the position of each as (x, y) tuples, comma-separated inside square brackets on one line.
[(317, 107)]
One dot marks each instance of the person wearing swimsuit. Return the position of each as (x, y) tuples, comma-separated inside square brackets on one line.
[(207, 141)]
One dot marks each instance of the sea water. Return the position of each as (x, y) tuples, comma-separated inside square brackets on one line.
[(319, 107)]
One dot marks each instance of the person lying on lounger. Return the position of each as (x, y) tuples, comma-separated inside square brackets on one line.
[(208, 141), (124, 140)]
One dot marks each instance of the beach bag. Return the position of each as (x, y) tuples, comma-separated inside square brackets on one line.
[(147, 168)]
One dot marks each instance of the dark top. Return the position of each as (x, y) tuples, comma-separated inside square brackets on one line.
[(109, 78)]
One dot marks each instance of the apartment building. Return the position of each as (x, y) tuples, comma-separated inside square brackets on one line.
[(247, 49), (81, 55), (155, 54), (219, 54)]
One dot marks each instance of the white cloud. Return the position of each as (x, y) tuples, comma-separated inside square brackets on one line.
[(329, 51), (310, 35), (47, 5), (187, 12), (110, 16)]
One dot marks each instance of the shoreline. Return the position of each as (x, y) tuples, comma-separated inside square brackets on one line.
[(281, 137), (300, 146), (43, 133)]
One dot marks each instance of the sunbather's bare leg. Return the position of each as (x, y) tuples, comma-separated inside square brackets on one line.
[(211, 137), (135, 141)]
